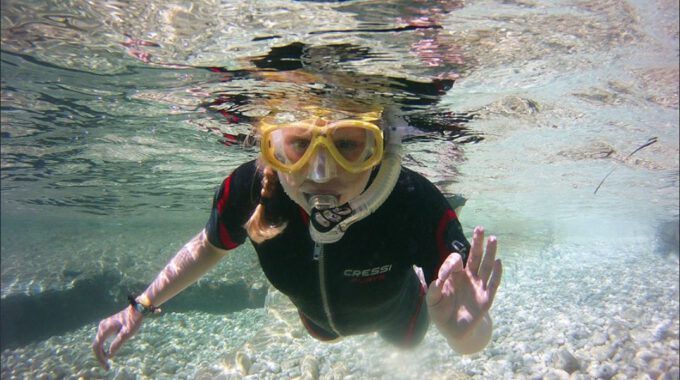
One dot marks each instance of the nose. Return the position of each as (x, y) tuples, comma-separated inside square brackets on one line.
[(322, 167)]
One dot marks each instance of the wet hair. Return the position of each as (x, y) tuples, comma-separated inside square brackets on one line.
[(263, 224)]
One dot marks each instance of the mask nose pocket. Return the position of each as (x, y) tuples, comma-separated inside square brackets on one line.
[(322, 167)]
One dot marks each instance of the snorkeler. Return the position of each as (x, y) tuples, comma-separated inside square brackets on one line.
[(357, 242)]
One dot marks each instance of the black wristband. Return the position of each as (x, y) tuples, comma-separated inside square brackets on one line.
[(145, 310)]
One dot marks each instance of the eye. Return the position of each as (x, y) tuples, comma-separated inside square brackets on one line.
[(299, 144), (297, 140), (346, 145)]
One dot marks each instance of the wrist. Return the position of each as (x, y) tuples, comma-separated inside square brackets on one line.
[(475, 340), (142, 305)]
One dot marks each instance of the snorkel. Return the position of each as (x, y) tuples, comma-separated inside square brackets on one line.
[(328, 221)]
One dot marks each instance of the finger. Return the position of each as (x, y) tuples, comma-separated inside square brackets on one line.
[(495, 280), (476, 249), (120, 339), (104, 331), (98, 348), (488, 260)]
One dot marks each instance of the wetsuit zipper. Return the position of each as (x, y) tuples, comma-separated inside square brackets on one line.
[(318, 255)]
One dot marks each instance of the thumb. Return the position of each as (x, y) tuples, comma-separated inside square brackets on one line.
[(434, 294), (452, 264)]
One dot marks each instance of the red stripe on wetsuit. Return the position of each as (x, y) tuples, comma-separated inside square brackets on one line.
[(225, 237), (442, 246), (315, 330), (414, 318), (304, 216)]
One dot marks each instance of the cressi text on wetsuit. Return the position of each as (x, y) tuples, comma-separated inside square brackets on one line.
[(363, 283)]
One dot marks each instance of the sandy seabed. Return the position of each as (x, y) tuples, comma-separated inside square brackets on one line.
[(573, 312)]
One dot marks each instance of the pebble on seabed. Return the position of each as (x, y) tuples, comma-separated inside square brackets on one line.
[(604, 371), (242, 362), (566, 361), (310, 368)]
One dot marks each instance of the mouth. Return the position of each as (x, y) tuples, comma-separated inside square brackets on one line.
[(308, 195), (323, 202)]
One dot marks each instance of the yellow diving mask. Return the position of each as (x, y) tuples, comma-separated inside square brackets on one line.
[(355, 144)]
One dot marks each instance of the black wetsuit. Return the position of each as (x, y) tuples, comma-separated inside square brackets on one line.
[(367, 277)]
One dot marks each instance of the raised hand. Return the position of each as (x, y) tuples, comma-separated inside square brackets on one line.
[(123, 325), (460, 298)]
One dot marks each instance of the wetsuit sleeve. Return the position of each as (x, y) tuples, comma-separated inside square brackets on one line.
[(233, 203), (442, 234)]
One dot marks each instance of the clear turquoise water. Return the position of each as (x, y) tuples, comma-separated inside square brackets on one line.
[(110, 158)]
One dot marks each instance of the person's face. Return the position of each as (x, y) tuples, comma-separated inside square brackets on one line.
[(322, 175), (331, 154), (323, 158)]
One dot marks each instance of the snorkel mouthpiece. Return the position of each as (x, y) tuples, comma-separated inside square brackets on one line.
[(326, 216), (323, 202)]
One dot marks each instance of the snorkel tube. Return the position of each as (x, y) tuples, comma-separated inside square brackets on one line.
[(328, 221)]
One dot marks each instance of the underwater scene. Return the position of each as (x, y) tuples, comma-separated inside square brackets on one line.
[(554, 124)]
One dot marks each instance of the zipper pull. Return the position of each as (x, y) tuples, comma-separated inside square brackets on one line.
[(318, 249)]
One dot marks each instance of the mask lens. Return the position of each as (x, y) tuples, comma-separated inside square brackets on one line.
[(291, 143), (355, 144)]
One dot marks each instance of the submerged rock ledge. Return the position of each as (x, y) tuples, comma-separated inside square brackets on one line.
[(27, 318)]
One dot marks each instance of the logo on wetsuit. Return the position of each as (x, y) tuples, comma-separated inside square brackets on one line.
[(367, 275), (460, 249)]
